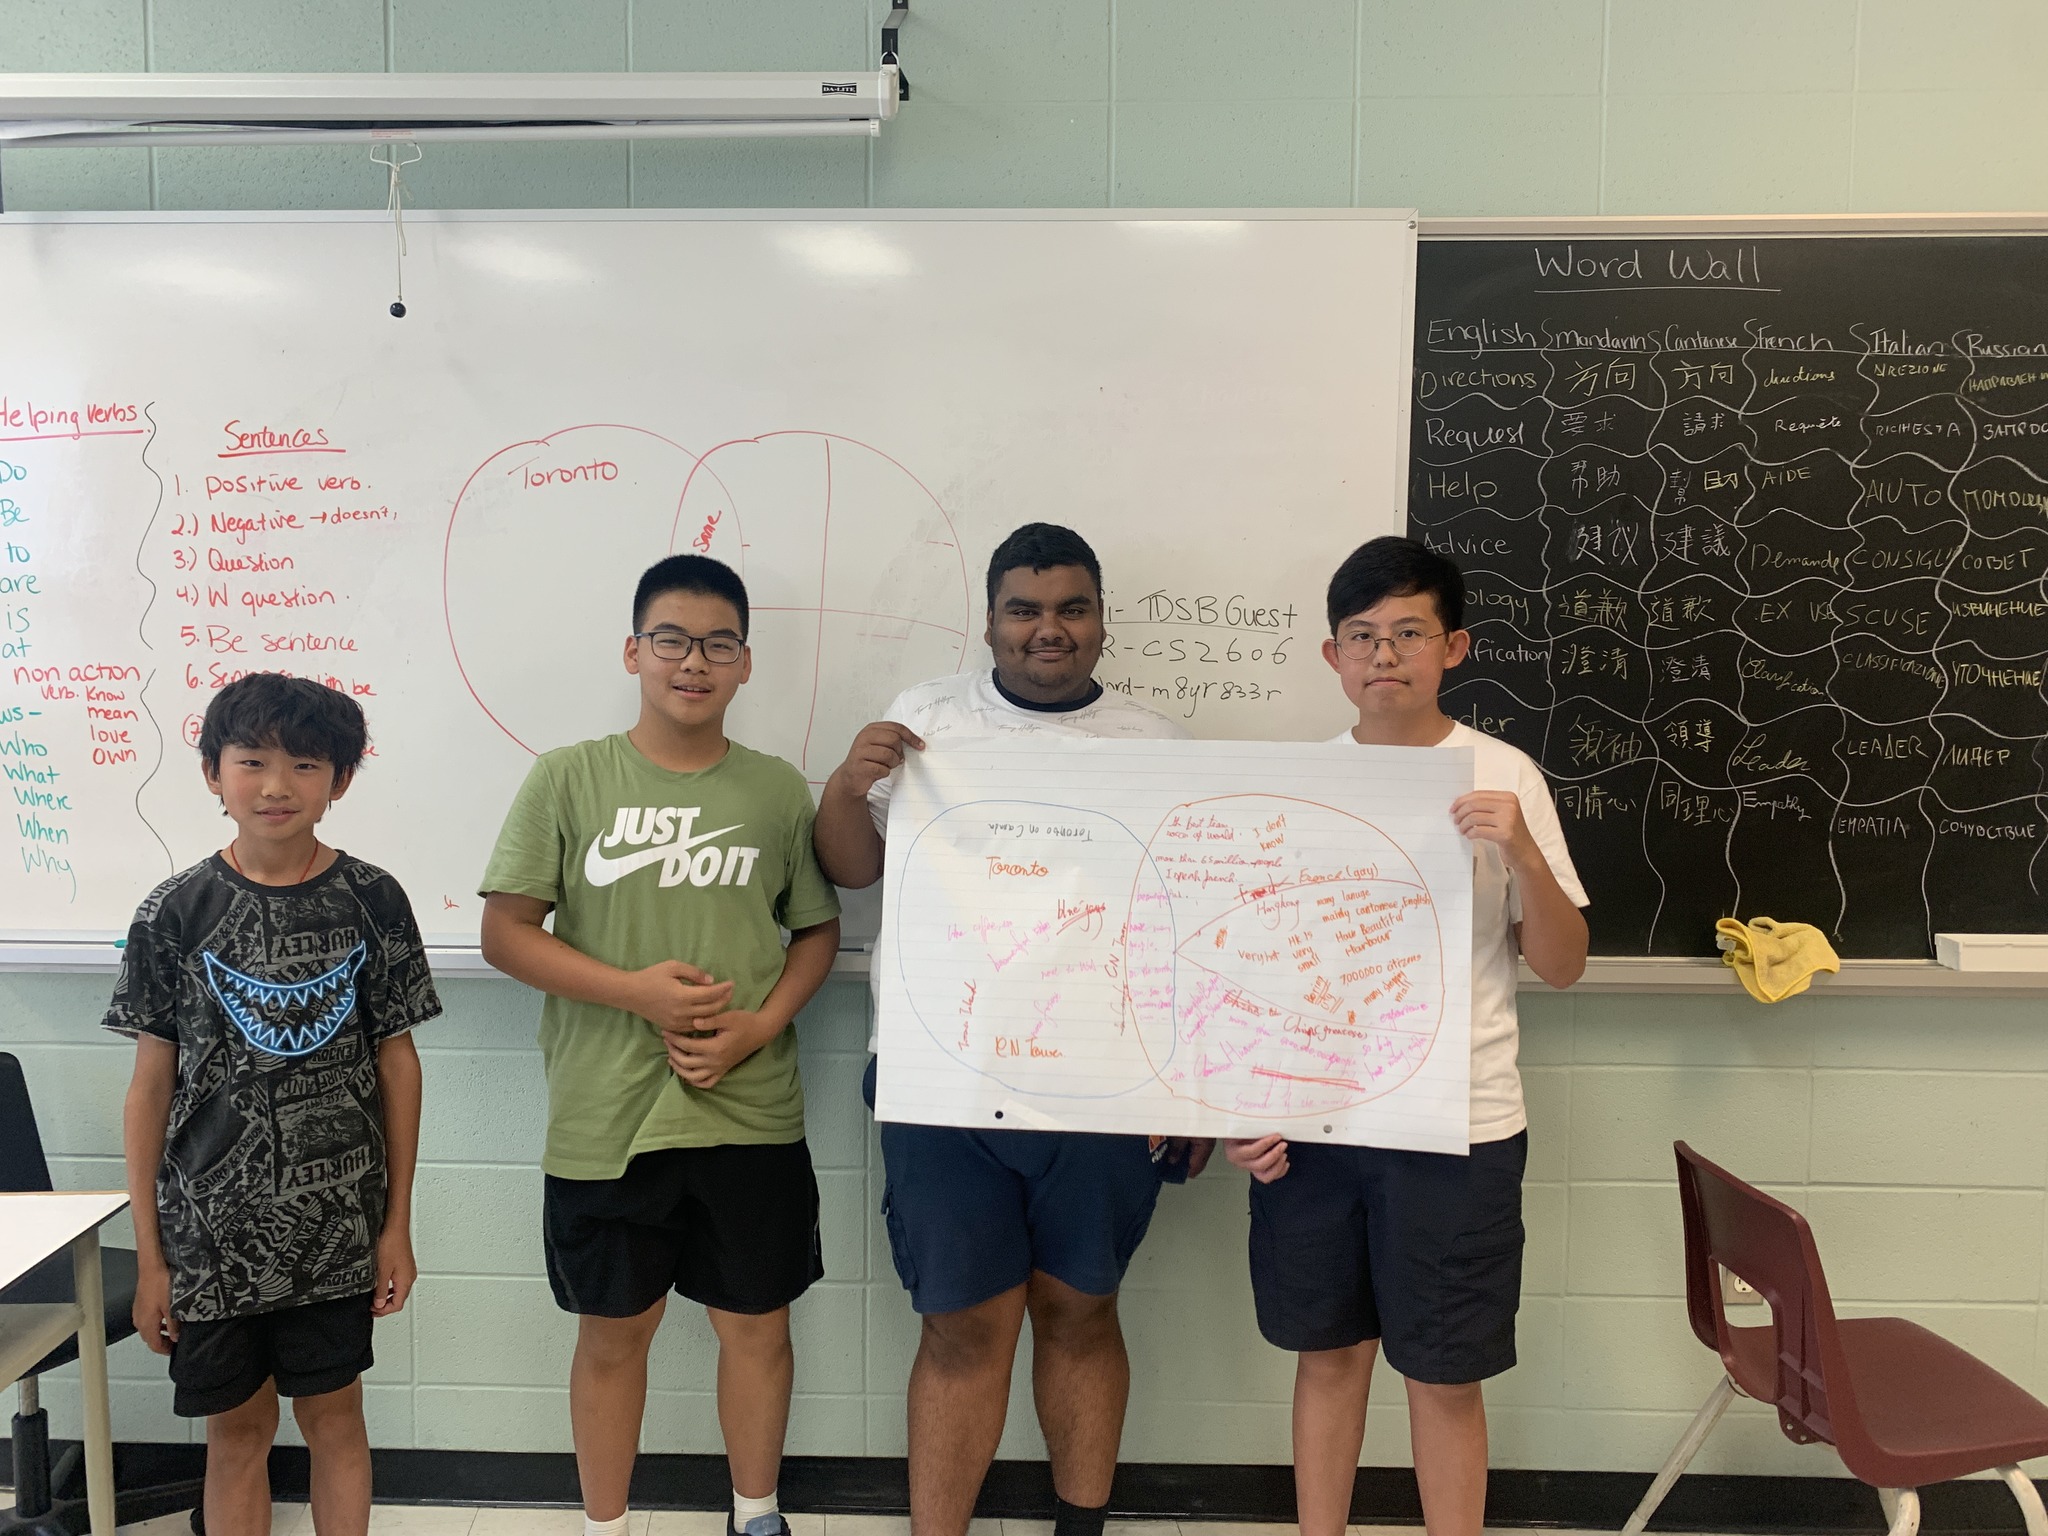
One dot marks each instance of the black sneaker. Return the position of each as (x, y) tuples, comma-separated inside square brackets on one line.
[(760, 1525)]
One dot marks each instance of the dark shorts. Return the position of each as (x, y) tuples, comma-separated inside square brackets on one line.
[(735, 1228), (1420, 1250), (308, 1350), (972, 1213)]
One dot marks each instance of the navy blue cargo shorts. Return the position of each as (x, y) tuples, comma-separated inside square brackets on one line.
[(972, 1213)]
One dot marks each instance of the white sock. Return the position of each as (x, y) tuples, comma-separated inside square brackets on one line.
[(604, 1527), (745, 1509)]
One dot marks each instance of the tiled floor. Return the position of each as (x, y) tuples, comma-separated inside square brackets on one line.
[(496, 1520)]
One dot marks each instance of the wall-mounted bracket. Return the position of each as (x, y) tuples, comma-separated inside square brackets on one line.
[(899, 12)]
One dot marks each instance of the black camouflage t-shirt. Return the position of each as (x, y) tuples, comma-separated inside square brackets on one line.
[(271, 1192)]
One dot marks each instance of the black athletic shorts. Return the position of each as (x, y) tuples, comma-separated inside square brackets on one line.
[(734, 1228), (309, 1350), (1420, 1250)]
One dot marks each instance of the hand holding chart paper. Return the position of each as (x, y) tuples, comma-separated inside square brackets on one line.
[(1179, 938)]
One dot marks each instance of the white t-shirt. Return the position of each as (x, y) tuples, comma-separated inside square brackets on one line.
[(967, 706), (1497, 1111)]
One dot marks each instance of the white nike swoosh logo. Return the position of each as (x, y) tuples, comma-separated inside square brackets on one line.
[(599, 870)]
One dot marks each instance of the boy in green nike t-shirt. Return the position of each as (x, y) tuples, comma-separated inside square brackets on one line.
[(671, 859)]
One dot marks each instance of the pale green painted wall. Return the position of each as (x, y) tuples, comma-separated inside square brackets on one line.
[(1915, 1134), (1458, 106), (1916, 1140)]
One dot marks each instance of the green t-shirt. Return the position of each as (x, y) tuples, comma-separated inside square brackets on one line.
[(645, 865)]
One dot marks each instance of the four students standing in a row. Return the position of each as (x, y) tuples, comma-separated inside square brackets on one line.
[(272, 1124)]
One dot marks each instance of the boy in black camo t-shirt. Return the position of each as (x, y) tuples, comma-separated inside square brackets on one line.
[(273, 1119)]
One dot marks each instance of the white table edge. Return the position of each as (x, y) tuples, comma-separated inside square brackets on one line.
[(84, 1210)]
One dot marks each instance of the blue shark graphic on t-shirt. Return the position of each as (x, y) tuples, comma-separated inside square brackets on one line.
[(286, 1018)]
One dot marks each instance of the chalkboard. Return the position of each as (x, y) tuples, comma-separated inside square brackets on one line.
[(1755, 533)]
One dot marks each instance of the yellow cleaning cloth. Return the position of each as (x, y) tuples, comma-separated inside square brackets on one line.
[(1774, 960)]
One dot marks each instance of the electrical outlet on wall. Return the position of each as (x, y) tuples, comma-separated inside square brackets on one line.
[(1736, 1291)]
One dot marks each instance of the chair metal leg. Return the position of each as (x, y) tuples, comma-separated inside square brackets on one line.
[(31, 1454), (2029, 1498), (1681, 1456), (1901, 1510)]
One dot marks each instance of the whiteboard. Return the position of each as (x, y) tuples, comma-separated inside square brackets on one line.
[(219, 453)]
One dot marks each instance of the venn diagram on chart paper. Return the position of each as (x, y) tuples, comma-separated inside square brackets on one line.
[(854, 573), (1258, 954)]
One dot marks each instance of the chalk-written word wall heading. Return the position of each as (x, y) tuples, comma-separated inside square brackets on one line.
[(1756, 538), (1703, 265)]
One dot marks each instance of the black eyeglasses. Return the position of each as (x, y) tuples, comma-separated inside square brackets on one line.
[(675, 645), (1361, 645)]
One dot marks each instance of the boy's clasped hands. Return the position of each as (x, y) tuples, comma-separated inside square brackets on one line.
[(706, 1038)]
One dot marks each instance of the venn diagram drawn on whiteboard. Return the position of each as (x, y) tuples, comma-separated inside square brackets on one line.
[(854, 573)]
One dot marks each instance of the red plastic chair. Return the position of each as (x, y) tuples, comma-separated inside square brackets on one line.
[(1902, 1406)]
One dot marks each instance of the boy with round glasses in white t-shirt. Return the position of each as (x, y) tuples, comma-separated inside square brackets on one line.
[(1362, 1250)]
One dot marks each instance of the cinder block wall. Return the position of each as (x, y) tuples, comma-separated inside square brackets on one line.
[(1915, 1138), (1915, 1134)]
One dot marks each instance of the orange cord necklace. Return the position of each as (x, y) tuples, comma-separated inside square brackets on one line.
[(230, 852)]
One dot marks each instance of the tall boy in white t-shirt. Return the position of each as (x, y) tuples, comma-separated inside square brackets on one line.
[(987, 1227), (1358, 1249)]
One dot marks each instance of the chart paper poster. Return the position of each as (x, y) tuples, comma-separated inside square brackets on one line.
[(1179, 938)]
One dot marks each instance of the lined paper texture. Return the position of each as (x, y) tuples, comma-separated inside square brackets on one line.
[(1179, 938)]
